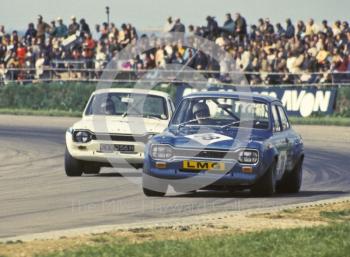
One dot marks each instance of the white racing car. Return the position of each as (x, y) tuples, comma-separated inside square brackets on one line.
[(116, 125)]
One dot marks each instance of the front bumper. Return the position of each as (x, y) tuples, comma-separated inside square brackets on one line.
[(233, 175), (91, 152)]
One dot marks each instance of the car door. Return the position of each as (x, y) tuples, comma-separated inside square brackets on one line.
[(290, 137), (287, 138), (279, 141)]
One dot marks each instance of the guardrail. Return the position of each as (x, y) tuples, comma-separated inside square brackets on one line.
[(73, 73)]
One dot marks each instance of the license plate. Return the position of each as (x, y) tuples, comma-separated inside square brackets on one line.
[(124, 148), (209, 166), (107, 148)]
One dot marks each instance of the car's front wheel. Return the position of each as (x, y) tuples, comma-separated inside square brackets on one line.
[(266, 185), (153, 187), (91, 168), (73, 167)]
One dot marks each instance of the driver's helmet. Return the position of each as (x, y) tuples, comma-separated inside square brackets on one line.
[(201, 110), (107, 107)]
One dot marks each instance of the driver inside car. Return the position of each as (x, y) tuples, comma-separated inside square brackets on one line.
[(107, 107), (201, 113)]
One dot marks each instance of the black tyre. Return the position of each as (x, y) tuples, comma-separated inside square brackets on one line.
[(291, 181), (91, 168), (73, 167), (151, 193), (153, 187), (266, 185)]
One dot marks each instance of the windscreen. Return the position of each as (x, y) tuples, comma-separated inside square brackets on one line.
[(127, 104), (226, 112)]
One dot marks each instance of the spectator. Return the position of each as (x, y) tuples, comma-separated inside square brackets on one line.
[(241, 27), (212, 28), (311, 28), (84, 28), (178, 26), (61, 30), (169, 25), (280, 30), (42, 28), (290, 30), (73, 27), (30, 33), (53, 29), (229, 24)]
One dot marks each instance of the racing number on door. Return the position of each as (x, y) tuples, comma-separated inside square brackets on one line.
[(282, 162)]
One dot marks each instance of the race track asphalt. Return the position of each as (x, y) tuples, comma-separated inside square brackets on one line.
[(36, 196)]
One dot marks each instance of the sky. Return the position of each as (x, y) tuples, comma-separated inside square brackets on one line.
[(148, 14)]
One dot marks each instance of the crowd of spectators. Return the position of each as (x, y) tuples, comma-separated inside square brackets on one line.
[(304, 52)]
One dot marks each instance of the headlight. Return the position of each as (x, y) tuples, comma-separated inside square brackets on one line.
[(248, 156), (82, 136), (162, 152)]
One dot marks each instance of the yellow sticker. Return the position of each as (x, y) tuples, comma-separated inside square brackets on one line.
[(196, 165)]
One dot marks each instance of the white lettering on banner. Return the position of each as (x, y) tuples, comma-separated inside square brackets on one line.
[(322, 101), (306, 103)]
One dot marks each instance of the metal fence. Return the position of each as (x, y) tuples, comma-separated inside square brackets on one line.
[(76, 72)]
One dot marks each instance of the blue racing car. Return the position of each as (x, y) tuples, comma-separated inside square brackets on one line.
[(225, 141)]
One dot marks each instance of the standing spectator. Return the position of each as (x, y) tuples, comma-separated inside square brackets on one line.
[(42, 28), (103, 30), (300, 29), (268, 28), (326, 29), (229, 24), (178, 27), (73, 27), (169, 25), (290, 29), (241, 27), (53, 29), (212, 28), (84, 28), (62, 30), (30, 33), (337, 28), (311, 28)]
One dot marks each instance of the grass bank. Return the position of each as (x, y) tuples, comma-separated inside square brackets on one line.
[(332, 240), (320, 230)]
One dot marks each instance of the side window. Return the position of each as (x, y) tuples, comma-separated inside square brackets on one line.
[(276, 122), (284, 119)]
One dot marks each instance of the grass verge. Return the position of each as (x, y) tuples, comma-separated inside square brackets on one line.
[(321, 230), (332, 240), (30, 112), (326, 121)]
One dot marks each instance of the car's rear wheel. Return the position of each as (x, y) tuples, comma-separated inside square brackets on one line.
[(73, 167), (291, 181), (266, 185), (153, 187)]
